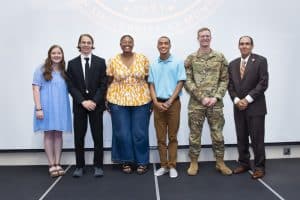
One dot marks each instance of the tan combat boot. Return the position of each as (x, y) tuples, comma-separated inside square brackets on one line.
[(193, 169), (221, 167)]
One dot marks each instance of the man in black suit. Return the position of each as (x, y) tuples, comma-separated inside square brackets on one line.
[(248, 80), (87, 83)]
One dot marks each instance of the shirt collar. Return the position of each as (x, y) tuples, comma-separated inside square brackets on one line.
[(83, 56), (210, 54), (169, 59), (245, 59)]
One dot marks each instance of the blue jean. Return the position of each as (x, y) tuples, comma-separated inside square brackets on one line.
[(130, 133)]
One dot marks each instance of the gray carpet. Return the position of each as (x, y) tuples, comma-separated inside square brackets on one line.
[(114, 185), (31, 182), (209, 184)]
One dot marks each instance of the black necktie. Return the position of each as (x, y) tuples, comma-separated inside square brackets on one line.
[(86, 72)]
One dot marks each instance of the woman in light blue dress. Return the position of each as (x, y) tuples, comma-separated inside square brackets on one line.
[(52, 113)]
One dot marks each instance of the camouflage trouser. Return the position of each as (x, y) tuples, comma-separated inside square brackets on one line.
[(216, 123)]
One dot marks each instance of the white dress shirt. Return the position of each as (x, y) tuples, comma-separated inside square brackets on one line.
[(83, 62), (248, 97)]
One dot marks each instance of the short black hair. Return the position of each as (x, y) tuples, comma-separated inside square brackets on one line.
[(127, 35), (166, 37), (247, 36)]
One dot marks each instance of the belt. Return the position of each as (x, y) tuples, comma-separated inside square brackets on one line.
[(162, 100)]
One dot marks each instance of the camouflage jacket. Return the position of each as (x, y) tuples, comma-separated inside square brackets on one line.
[(207, 76)]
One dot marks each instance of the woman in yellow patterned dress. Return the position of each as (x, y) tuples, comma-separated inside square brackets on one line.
[(129, 103)]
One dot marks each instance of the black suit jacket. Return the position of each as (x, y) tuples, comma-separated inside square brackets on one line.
[(254, 83), (97, 83)]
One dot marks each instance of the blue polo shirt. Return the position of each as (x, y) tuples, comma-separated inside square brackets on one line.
[(165, 74)]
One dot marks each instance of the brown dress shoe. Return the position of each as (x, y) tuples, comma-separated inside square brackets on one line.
[(258, 174), (240, 169)]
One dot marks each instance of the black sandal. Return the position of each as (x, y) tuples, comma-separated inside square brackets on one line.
[(142, 169), (127, 169)]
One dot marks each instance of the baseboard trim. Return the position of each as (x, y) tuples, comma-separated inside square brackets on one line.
[(37, 157)]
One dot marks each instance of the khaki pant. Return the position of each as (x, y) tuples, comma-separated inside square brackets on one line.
[(167, 123)]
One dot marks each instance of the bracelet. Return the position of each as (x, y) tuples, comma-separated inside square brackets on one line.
[(40, 109)]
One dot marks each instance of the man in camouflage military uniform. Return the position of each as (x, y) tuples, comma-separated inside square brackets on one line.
[(207, 80)]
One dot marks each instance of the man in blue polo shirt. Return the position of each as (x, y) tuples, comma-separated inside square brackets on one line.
[(166, 78)]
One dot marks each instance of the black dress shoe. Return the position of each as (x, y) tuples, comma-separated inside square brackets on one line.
[(258, 173), (241, 169)]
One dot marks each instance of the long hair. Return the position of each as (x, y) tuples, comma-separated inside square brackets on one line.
[(48, 64), (85, 35)]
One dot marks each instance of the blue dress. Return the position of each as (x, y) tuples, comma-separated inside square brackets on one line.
[(54, 101)]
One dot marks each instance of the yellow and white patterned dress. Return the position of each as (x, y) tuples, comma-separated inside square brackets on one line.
[(129, 86)]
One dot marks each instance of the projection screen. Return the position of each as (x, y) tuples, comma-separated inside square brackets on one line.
[(30, 27)]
